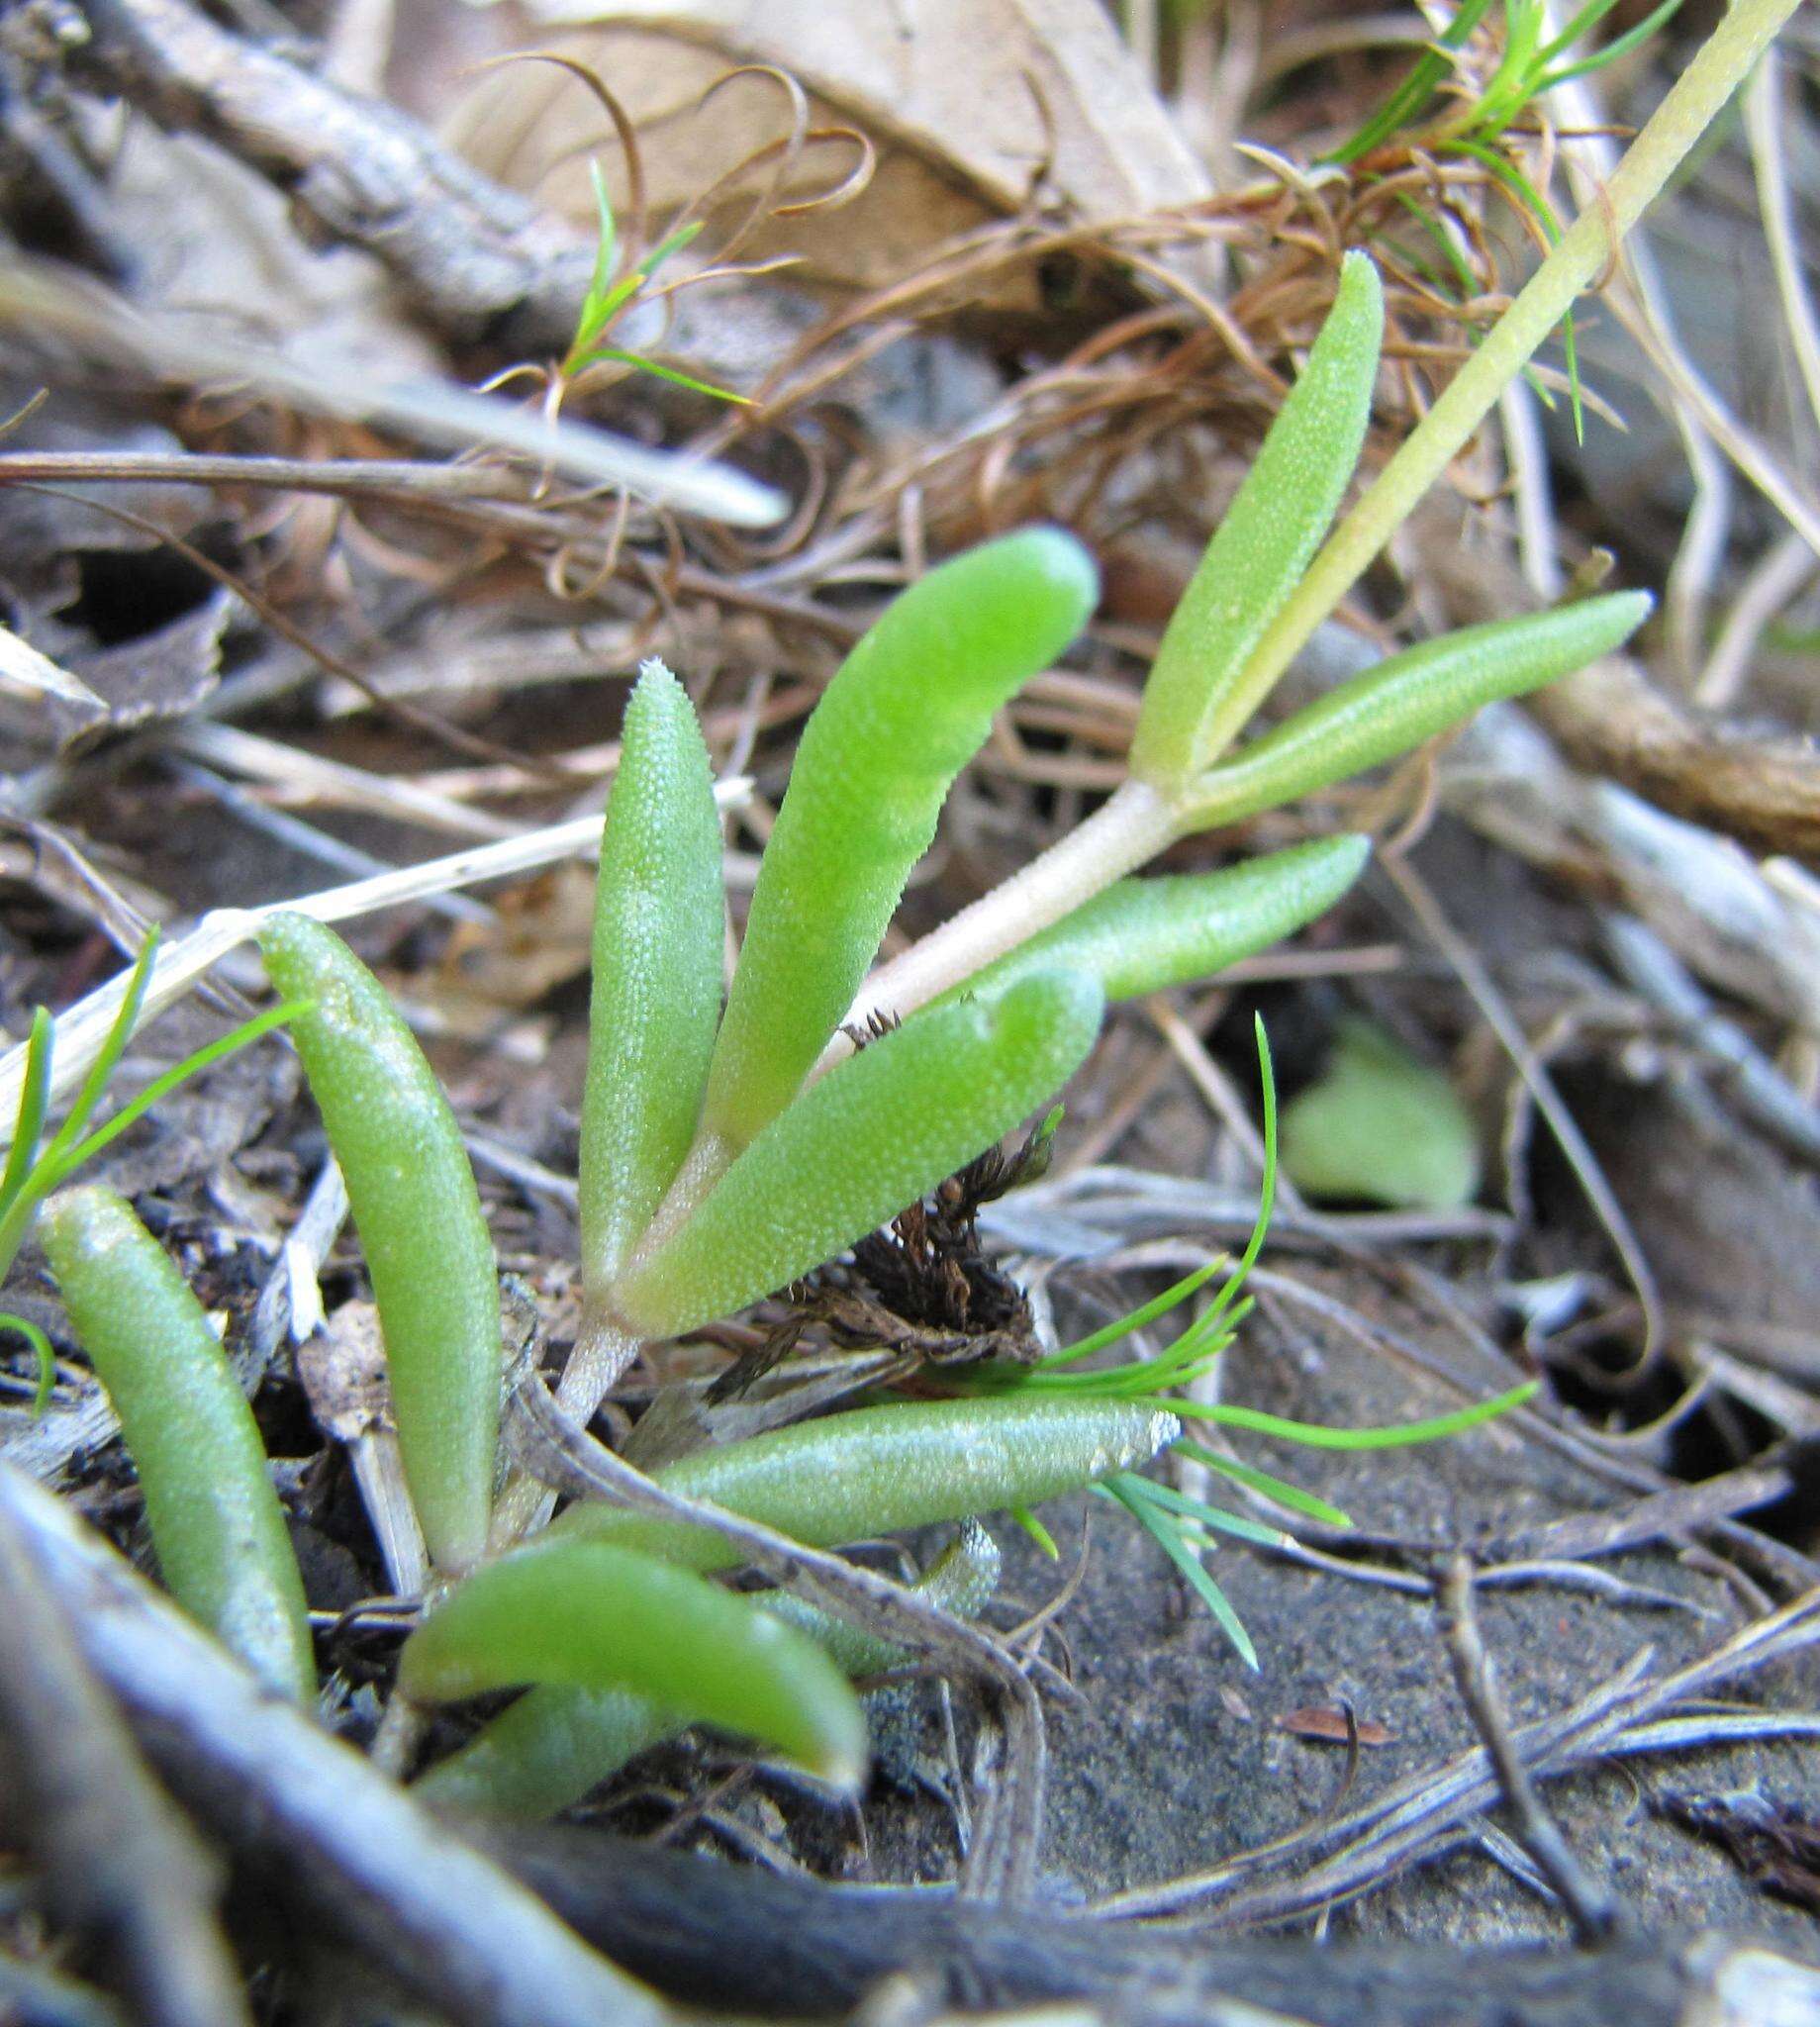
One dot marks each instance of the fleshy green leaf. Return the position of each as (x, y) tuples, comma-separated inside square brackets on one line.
[(587, 1616), (222, 1547), (658, 934), (875, 1133), (906, 711), (593, 1616), (880, 1470), (1145, 935), (1259, 550), (554, 1745), (1381, 1126), (1408, 699), (421, 1226)]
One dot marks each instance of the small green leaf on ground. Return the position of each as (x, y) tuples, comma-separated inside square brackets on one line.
[(1381, 1126)]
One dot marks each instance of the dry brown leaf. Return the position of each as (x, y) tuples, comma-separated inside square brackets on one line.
[(343, 1370), (1327, 1725), (969, 102), (539, 938)]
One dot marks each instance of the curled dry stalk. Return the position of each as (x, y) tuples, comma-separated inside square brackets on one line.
[(627, 268)]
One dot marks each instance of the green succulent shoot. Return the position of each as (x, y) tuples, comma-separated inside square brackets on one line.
[(725, 1151), (789, 1146), (220, 1535), (417, 1211)]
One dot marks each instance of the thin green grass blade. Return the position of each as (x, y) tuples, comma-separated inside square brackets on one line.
[(1259, 550), (607, 235), (1216, 1517), (873, 1135), (1272, 1487), (1464, 277), (107, 1059), (616, 300), (619, 356), (1578, 24), (20, 1197), (1390, 710), (1146, 935), (1195, 1351), (1169, 1539), (1314, 1436), (1416, 89), (658, 939), (1612, 52), (1507, 90), (34, 1106), (683, 236), (160, 1087), (1267, 1188), (1139, 1318), (1037, 1532), (906, 712), (594, 311), (41, 1351)]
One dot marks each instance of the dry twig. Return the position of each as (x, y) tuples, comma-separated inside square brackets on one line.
[(336, 1836), (121, 1867)]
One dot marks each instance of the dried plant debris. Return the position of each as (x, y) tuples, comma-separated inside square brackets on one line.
[(1776, 1844), (927, 1268), (922, 1286)]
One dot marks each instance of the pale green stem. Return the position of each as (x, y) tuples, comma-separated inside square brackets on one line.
[(703, 1166), (1118, 838), (400, 1734), (1693, 104)]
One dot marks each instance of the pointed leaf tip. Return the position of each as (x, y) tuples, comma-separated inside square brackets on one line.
[(1392, 707), (1146, 935)]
